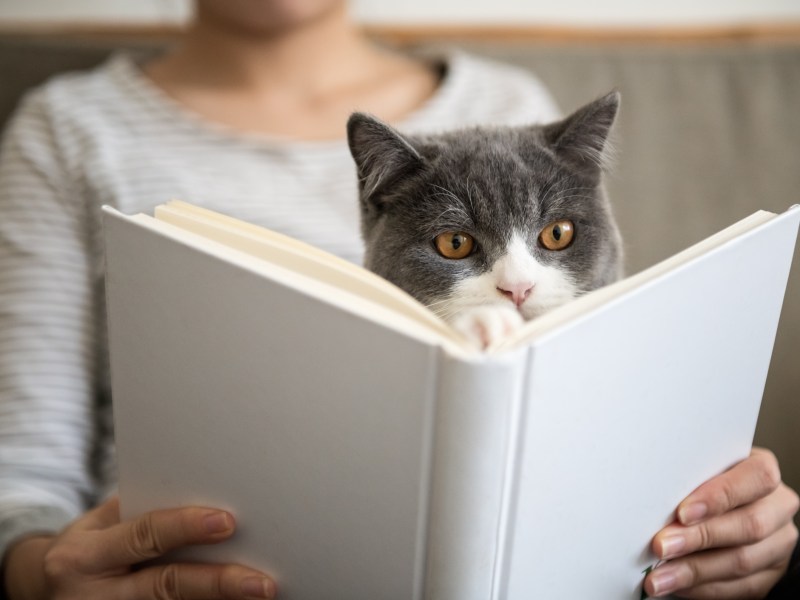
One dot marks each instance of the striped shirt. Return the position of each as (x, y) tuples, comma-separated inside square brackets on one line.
[(110, 136)]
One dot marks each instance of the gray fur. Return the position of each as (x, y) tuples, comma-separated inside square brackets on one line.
[(488, 182)]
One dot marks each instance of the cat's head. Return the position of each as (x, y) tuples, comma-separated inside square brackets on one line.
[(513, 216)]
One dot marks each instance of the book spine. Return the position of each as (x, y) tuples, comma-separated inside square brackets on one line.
[(473, 453)]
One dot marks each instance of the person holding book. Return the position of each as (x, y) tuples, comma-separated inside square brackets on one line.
[(245, 115)]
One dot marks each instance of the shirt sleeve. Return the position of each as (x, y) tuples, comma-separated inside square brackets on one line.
[(47, 332)]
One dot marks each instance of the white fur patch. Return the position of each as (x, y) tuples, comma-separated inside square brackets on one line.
[(520, 275)]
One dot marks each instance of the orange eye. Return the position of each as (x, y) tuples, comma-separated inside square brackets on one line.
[(557, 235), (454, 244)]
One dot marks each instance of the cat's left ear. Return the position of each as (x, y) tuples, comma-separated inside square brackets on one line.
[(582, 138), (382, 155)]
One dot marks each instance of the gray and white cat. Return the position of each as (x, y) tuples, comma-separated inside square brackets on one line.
[(489, 226)]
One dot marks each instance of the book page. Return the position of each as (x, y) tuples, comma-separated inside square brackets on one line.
[(320, 290), (303, 258)]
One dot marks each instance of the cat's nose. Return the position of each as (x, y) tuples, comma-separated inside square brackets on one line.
[(517, 292)]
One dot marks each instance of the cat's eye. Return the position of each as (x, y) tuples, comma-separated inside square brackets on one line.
[(557, 235), (454, 244)]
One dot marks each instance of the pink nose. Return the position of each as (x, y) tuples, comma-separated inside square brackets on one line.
[(517, 292)]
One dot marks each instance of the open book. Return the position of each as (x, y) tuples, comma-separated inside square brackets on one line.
[(368, 453)]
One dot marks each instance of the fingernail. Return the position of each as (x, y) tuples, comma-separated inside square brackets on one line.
[(218, 522), (671, 546), (692, 513), (664, 580), (258, 587)]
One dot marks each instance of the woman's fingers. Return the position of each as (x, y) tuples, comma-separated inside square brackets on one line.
[(99, 557), (698, 573), (753, 478), (747, 524), (197, 582), (154, 534), (733, 537)]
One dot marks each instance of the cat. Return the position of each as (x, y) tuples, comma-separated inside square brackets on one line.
[(489, 226)]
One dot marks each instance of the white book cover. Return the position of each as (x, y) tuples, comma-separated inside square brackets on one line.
[(367, 455)]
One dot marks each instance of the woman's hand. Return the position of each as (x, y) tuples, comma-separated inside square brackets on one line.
[(733, 536), (95, 557)]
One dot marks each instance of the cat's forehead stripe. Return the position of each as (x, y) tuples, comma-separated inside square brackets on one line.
[(518, 256)]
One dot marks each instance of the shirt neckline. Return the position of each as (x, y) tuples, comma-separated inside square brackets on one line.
[(128, 73)]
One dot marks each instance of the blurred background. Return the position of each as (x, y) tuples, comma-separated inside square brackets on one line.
[(447, 12), (709, 130)]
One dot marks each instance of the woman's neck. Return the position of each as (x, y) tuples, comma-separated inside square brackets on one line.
[(313, 55), (300, 81)]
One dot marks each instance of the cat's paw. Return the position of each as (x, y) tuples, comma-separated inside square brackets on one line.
[(485, 326)]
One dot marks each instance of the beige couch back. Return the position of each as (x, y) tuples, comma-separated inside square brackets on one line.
[(708, 133)]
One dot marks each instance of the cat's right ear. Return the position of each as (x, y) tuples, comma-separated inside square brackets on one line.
[(381, 154)]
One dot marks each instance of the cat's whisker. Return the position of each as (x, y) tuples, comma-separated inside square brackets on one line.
[(569, 193), (469, 195), (562, 194), (572, 189), (456, 210), (452, 217), (439, 305), (449, 194), (559, 201), (572, 196), (544, 190), (447, 308), (446, 314), (459, 210), (544, 194)]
